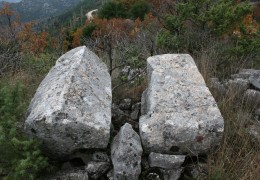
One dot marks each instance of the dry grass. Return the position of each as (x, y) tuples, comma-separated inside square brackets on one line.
[(238, 157)]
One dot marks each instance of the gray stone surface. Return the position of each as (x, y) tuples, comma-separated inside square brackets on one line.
[(199, 171), (181, 114), (257, 115), (255, 80), (85, 157), (126, 104), (173, 174), (152, 176), (126, 152), (252, 98), (119, 118), (217, 86), (144, 103), (136, 108), (100, 157), (248, 71), (110, 175), (254, 132), (75, 174), (166, 161), (97, 169), (244, 76), (72, 106), (237, 85)]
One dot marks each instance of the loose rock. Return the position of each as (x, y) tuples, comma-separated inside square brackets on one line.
[(173, 174), (97, 169), (181, 114), (252, 98), (166, 161), (135, 111), (254, 131), (126, 104), (71, 109), (255, 80), (75, 174), (126, 152), (237, 86), (217, 86)]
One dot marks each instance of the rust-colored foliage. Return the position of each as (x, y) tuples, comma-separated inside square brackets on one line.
[(21, 33), (77, 37), (5, 10), (30, 41)]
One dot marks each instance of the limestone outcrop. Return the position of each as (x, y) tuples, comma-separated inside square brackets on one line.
[(71, 109), (181, 115)]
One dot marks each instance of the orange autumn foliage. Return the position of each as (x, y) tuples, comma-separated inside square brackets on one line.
[(22, 34), (30, 41), (5, 10), (77, 37)]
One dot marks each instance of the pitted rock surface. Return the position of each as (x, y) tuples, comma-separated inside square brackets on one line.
[(72, 106), (181, 115), (126, 153)]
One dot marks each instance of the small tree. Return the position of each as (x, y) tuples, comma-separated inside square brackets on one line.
[(113, 9), (20, 158), (191, 22)]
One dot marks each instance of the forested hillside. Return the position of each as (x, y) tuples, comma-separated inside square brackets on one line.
[(41, 9), (222, 37)]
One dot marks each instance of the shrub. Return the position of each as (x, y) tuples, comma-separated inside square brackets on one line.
[(88, 30), (20, 157), (139, 9), (113, 9)]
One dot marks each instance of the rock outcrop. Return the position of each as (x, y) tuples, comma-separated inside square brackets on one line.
[(71, 109), (126, 153), (181, 115)]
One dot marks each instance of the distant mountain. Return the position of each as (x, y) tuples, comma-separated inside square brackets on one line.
[(41, 9), (10, 1)]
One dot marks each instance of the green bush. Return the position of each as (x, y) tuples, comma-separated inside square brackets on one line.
[(139, 9), (20, 157), (88, 30), (208, 18), (113, 9)]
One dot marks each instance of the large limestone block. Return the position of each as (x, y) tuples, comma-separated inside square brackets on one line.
[(126, 154), (181, 116), (72, 106)]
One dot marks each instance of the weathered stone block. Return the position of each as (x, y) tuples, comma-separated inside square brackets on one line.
[(182, 116), (71, 109)]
